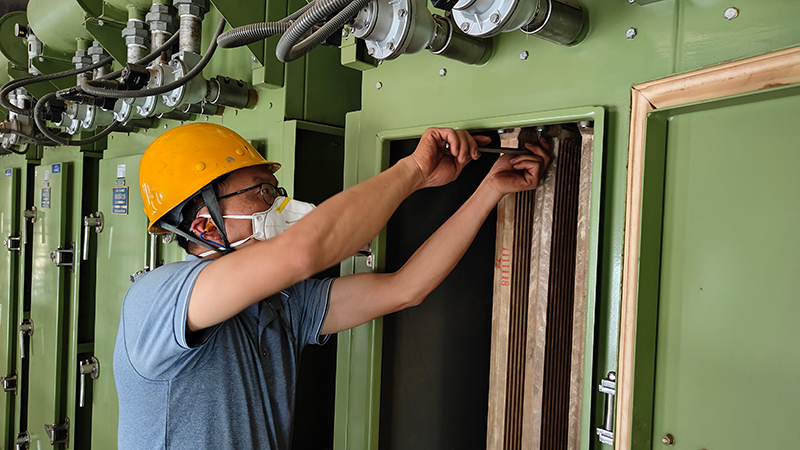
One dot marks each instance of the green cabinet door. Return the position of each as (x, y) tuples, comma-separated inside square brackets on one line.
[(726, 362), (123, 249), (50, 286), (9, 271)]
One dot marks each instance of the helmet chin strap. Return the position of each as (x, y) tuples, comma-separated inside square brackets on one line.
[(210, 199), (190, 237)]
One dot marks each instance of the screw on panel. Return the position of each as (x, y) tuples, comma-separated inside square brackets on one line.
[(378, 85), (631, 1), (254, 58), (100, 23), (401, 13), (631, 33), (465, 27), (668, 440), (371, 52), (165, 126), (524, 55), (442, 72), (390, 46), (731, 13), (494, 18)]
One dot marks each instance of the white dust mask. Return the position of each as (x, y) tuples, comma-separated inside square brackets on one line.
[(283, 213)]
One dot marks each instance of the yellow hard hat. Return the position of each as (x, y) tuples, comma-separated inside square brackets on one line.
[(184, 159)]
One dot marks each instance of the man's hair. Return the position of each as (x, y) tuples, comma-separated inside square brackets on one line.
[(188, 212)]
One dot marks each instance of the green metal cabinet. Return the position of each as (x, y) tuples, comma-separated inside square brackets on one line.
[(124, 249), (62, 299), (9, 291), (15, 181)]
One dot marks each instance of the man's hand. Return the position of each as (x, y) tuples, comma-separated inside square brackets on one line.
[(516, 173), (443, 152)]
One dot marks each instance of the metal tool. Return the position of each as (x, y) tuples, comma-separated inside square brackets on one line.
[(510, 151)]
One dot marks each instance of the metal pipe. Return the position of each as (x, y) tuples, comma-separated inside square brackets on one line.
[(190, 28)]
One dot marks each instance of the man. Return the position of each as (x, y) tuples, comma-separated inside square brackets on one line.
[(208, 349)]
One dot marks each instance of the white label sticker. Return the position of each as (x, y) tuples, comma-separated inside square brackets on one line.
[(46, 175), (120, 170)]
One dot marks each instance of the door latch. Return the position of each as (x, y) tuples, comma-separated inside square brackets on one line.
[(25, 328), (91, 221), (64, 257), (58, 434), (23, 441), (27, 215), (89, 367), (9, 383), (608, 386), (12, 243)]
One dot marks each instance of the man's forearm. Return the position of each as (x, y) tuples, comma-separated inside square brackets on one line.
[(437, 257), (345, 222)]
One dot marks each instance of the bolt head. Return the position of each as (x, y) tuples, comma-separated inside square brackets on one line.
[(378, 85), (731, 13), (100, 23), (390, 46), (401, 13), (631, 33), (442, 72), (371, 51), (523, 55), (465, 27), (494, 18)]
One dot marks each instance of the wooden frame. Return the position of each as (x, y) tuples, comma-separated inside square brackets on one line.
[(740, 77)]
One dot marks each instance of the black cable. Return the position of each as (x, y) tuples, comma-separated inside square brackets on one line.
[(14, 84), (147, 59), (61, 140), (90, 89)]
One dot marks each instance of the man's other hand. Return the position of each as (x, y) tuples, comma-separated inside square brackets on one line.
[(443, 152), (516, 173)]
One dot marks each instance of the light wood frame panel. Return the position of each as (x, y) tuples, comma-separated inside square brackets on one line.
[(739, 77)]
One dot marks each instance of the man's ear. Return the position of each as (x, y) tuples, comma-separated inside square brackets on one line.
[(204, 224)]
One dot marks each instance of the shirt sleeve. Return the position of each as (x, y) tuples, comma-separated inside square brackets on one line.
[(307, 305), (154, 321)]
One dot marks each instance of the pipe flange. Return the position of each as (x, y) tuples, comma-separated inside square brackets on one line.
[(402, 26), (95, 117), (486, 18), (390, 32), (364, 22), (152, 105)]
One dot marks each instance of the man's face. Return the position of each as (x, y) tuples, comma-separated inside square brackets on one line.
[(245, 203)]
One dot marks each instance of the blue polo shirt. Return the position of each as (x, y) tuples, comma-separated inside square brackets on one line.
[(233, 387)]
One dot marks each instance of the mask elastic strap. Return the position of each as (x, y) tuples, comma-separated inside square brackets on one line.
[(210, 199), (189, 237)]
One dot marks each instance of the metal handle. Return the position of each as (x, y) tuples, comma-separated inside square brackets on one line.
[(9, 383), (89, 367), (91, 221), (58, 433), (608, 386), (64, 257), (26, 327), (28, 214), (12, 243), (23, 441)]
